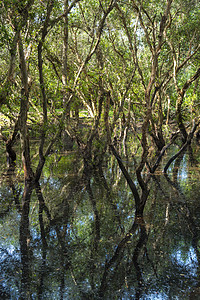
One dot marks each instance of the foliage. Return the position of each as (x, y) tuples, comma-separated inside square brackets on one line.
[(79, 77)]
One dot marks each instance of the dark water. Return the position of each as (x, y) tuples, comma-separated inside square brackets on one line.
[(79, 238)]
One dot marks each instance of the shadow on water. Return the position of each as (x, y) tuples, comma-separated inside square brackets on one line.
[(75, 235)]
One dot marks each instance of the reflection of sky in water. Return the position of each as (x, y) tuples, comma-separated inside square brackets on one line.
[(82, 227), (183, 171), (54, 182), (150, 296), (7, 250), (156, 296), (189, 261)]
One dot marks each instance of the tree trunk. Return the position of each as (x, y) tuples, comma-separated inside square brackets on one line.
[(66, 105), (28, 173), (179, 117)]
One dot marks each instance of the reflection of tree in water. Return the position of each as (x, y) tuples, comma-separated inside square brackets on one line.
[(185, 215), (25, 240), (112, 268), (83, 242)]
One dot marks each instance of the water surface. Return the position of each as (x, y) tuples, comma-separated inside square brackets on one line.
[(79, 238)]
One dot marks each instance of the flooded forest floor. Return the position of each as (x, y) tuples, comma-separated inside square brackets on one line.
[(79, 237)]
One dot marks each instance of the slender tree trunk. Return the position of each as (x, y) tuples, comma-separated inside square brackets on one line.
[(66, 105), (179, 117), (6, 89), (28, 173)]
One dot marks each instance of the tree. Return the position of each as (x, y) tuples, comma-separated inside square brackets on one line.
[(118, 63)]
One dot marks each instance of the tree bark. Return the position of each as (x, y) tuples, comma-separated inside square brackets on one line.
[(5, 90), (28, 173), (65, 61)]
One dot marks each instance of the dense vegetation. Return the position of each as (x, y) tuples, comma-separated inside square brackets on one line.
[(97, 76), (97, 70)]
